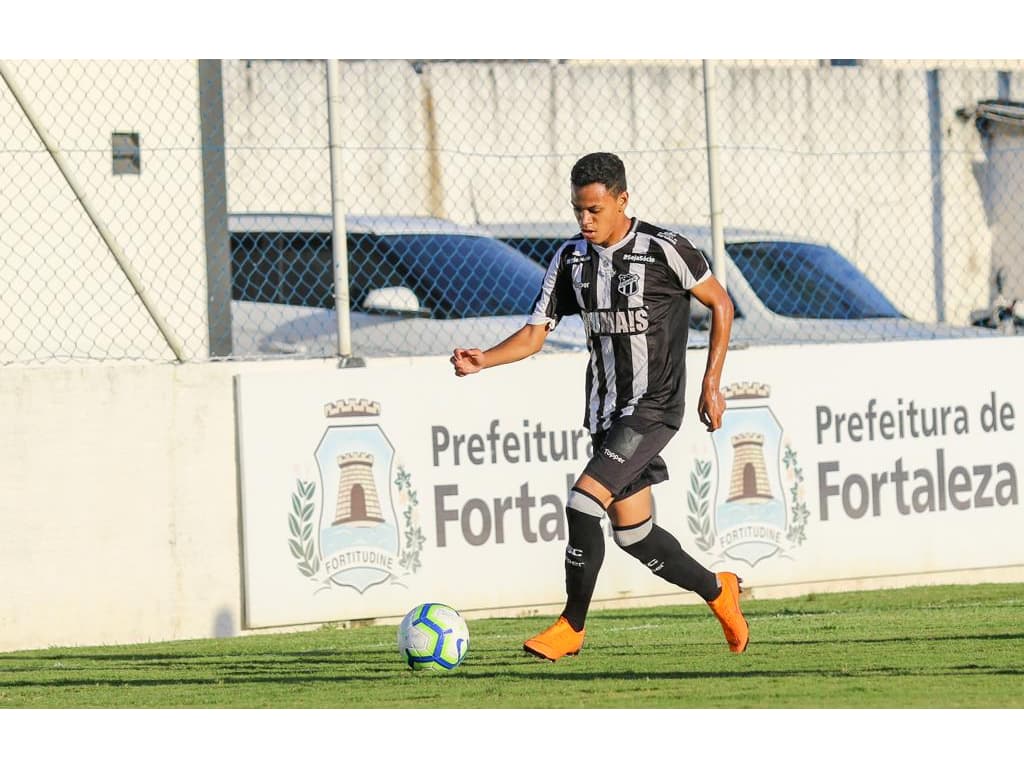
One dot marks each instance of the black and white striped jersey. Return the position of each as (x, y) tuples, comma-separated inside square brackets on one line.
[(634, 299)]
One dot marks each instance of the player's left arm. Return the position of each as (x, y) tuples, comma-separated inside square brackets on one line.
[(711, 294)]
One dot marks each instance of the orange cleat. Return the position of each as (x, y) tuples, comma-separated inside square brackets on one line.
[(558, 640), (726, 608)]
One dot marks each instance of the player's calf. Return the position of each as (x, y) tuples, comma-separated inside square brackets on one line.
[(661, 553), (659, 550)]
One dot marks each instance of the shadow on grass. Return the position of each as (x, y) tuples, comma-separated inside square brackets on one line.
[(894, 639), (278, 657), (562, 675), (519, 669), (368, 657)]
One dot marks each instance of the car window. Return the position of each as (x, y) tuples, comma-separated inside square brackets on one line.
[(282, 268), (452, 275), (538, 249), (809, 281), (463, 275)]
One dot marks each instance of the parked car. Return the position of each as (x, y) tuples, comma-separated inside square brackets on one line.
[(537, 240), (417, 286), (1005, 315), (785, 290)]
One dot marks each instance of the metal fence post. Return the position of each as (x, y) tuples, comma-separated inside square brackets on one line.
[(938, 200), (339, 246), (714, 197), (215, 208)]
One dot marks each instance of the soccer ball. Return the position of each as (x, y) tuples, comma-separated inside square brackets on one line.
[(433, 636)]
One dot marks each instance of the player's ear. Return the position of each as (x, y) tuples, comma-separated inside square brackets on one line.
[(623, 200)]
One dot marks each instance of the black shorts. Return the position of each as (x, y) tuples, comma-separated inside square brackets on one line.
[(626, 456)]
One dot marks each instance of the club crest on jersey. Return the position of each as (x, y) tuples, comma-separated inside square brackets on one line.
[(629, 284)]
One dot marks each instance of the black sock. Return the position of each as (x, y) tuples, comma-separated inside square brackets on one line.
[(583, 558), (660, 551)]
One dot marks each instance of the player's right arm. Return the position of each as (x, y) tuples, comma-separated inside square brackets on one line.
[(527, 341), (553, 301)]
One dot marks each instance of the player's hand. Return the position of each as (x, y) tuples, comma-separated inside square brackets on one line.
[(711, 407), (467, 361)]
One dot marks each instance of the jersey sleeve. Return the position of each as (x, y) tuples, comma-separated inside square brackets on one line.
[(555, 298), (687, 262)]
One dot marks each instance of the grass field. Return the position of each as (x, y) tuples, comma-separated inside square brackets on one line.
[(934, 647)]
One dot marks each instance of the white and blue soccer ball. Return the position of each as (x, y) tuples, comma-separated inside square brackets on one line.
[(433, 636)]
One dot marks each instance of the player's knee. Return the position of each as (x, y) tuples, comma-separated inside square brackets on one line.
[(584, 502), (594, 488), (633, 534)]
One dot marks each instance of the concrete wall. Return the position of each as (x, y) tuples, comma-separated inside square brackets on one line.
[(64, 295), (118, 505), (871, 159), (275, 121)]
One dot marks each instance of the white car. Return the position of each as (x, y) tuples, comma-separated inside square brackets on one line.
[(417, 286), (785, 290)]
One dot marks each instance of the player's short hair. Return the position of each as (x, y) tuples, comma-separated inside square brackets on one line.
[(600, 168)]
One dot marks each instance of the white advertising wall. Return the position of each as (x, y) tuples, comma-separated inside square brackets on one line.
[(126, 520), (365, 491)]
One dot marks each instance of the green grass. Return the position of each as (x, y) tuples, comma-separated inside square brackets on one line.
[(934, 647)]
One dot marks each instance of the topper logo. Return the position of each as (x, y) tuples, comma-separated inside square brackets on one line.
[(613, 455)]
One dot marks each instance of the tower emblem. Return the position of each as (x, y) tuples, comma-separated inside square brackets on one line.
[(358, 529), (358, 502), (756, 513), (354, 541), (749, 474)]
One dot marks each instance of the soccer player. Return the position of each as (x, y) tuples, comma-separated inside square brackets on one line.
[(631, 282)]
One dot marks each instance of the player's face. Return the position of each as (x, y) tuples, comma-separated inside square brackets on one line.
[(600, 213)]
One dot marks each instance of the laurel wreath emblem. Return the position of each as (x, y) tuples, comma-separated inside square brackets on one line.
[(697, 498), (414, 538), (300, 523), (796, 497)]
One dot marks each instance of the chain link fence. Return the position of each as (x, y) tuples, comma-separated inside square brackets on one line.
[(187, 210)]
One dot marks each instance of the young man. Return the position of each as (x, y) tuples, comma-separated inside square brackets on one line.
[(631, 282)]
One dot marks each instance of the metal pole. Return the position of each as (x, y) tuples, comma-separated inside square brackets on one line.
[(714, 196), (215, 207), (339, 247), (935, 131), (108, 238)]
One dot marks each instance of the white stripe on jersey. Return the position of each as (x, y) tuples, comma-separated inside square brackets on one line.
[(611, 393), (594, 401), (677, 265), (577, 283), (605, 273), (540, 311), (638, 341)]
